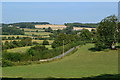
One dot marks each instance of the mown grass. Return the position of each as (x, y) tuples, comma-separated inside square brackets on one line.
[(82, 63), (37, 33)]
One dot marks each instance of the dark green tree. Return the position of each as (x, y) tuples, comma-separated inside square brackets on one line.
[(45, 42), (85, 35), (49, 29), (37, 31), (107, 33)]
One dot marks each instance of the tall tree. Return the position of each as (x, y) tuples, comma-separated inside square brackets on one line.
[(107, 33), (85, 35)]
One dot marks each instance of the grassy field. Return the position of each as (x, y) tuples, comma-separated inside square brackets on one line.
[(19, 49), (27, 29), (82, 63), (37, 33), (14, 36), (41, 41), (24, 49), (29, 33)]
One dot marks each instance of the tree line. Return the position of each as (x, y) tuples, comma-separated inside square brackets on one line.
[(105, 36), (14, 44), (21, 43), (12, 31), (86, 25), (35, 53)]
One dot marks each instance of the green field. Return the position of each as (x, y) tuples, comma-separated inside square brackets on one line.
[(30, 32), (82, 63), (37, 33), (14, 35), (27, 29), (23, 49)]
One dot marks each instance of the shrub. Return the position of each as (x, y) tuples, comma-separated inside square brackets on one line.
[(6, 63), (45, 42)]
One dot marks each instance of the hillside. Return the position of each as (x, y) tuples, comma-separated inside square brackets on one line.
[(56, 27), (82, 63)]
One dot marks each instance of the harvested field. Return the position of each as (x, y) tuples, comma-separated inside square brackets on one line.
[(80, 28), (54, 27)]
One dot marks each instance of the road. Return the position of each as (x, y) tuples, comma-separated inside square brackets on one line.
[(60, 56)]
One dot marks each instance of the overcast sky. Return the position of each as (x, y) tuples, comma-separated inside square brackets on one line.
[(57, 12)]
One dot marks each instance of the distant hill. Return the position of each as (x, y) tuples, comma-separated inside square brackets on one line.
[(56, 27)]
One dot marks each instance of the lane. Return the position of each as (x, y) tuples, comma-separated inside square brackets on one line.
[(59, 56)]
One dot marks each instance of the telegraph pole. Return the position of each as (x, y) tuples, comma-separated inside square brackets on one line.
[(63, 47)]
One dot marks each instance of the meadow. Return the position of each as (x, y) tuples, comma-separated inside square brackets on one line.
[(24, 49), (33, 30), (82, 63), (38, 33), (30, 32), (14, 35)]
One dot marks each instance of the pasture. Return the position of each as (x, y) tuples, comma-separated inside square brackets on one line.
[(30, 33), (14, 35), (38, 33), (41, 41), (32, 30), (82, 63), (24, 49)]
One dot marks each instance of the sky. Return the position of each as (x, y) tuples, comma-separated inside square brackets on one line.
[(57, 12)]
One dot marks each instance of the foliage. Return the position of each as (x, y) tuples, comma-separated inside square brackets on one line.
[(49, 29), (85, 35), (6, 63), (45, 42), (13, 44), (118, 37), (12, 31), (36, 49), (68, 30), (66, 38), (12, 56), (88, 25), (107, 33), (83, 63)]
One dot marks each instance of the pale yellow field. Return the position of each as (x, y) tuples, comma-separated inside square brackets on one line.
[(3, 41), (14, 36), (80, 28), (54, 27)]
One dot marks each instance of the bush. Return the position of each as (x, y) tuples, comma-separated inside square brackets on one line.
[(45, 42), (6, 63), (12, 56), (35, 43)]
